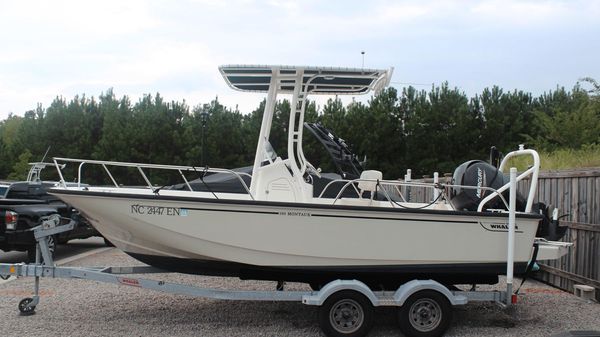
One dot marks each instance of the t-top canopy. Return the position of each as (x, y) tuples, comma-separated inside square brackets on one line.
[(316, 80)]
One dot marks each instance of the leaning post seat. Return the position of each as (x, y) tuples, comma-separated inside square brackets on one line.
[(373, 177)]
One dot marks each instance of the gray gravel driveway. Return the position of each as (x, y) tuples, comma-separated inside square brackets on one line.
[(88, 308)]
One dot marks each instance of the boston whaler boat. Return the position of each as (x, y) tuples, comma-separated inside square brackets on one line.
[(283, 220), (280, 229)]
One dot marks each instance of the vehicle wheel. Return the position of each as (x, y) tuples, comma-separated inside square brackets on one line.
[(346, 313), (426, 313), (108, 243), (51, 247), (24, 309)]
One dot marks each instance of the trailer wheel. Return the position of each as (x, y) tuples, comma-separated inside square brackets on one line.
[(426, 313), (24, 309), (346, 313)]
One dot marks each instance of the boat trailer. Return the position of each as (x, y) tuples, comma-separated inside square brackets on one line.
[(346, 307)]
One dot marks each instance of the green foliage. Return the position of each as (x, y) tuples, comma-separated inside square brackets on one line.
[(21, 167), (567, 158), (507, 117), (223, 136), (442, 122), (567, 120), (586, 156), (381, 129), (9, 129), (114, 143)]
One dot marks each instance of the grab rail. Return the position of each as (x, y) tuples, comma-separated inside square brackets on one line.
[(140, 167)]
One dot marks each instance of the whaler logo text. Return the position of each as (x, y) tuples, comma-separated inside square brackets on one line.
[(498, 227), (158, 210)]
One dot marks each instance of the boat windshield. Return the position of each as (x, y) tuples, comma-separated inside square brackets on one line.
[(270, 154)]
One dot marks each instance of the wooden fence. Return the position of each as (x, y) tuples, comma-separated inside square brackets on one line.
[(581, 265), (577, 194)]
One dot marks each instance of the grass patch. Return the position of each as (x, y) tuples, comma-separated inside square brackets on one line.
[(562, 159)]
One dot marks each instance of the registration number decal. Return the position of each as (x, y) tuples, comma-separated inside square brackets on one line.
[(158, 210)]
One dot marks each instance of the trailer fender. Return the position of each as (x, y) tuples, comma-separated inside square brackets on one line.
[(409, 288), (332, 287)]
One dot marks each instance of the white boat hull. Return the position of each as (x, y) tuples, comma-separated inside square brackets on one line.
[(303, 236)]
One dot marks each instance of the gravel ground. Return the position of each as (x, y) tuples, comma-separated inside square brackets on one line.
[(87, 308)]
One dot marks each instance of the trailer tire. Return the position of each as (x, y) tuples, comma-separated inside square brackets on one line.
[(426, 313), (24, 309), (346, 313)]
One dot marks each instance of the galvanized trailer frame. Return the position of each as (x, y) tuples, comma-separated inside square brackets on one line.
[(129, 276)]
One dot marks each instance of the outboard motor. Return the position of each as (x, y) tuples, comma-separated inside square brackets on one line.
[(478, 174), (549, 228)]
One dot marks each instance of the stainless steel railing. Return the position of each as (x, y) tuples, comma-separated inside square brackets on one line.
[(59, 163)]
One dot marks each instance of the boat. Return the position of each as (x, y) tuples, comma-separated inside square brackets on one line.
[(282, 219)]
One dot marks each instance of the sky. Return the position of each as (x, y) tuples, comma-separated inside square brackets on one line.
[(136, 47)]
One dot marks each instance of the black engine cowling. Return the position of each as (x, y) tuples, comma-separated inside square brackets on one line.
[(478, 174)]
